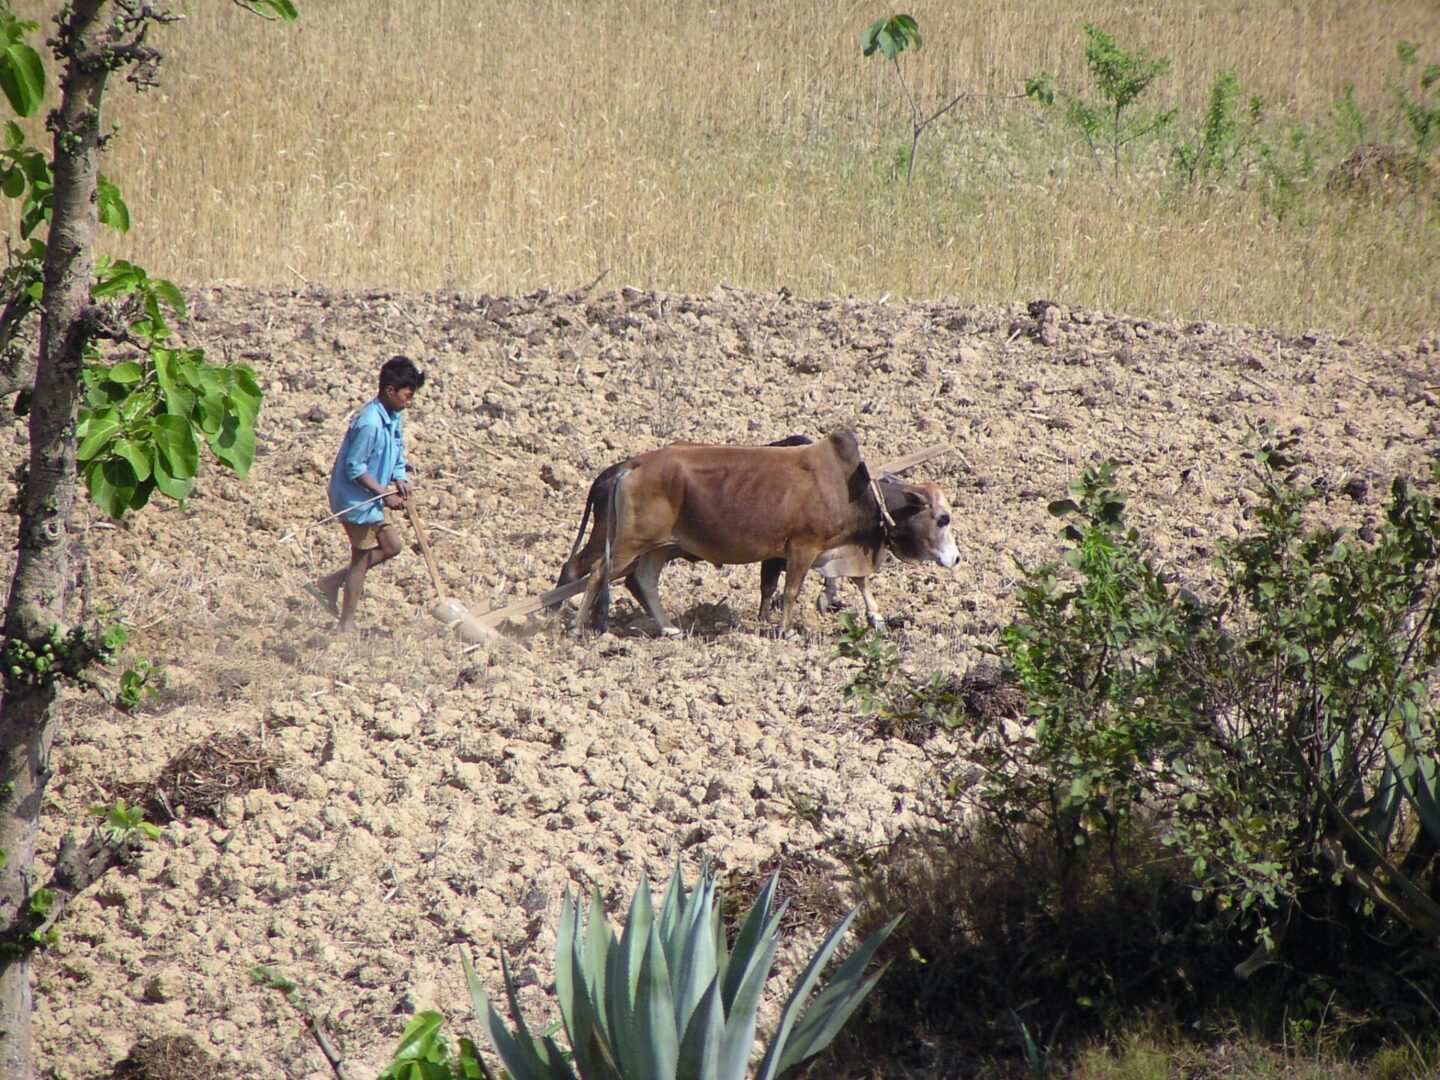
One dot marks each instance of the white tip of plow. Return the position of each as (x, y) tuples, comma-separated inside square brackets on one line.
[(453, 614)]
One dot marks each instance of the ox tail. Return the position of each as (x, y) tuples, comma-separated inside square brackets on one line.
[(595, 506), (613, 491), (598, 491)]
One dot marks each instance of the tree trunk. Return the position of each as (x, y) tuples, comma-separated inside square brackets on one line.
[(43, 581)]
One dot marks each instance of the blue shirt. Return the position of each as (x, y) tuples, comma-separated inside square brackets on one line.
[(374, 444)]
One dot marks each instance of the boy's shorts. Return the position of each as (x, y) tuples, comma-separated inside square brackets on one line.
[(365, 537)]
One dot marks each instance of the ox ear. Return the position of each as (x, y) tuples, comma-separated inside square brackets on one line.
[(904, 502)]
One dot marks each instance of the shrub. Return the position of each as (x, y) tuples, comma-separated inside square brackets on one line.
[(1233, 781), (1121, 77)]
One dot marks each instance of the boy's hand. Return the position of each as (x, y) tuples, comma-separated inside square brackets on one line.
[(405, 489), (394, 501)]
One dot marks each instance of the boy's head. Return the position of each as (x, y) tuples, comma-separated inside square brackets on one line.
[(399, 379), (401, 373)]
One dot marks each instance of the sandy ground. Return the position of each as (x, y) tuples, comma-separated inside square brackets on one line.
[(435, 797)]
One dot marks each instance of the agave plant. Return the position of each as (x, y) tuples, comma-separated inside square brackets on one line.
[(667, 1000)]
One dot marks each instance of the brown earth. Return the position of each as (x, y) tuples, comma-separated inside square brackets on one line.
[(432, 797)]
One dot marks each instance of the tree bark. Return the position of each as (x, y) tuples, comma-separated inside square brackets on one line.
[(43, 582)]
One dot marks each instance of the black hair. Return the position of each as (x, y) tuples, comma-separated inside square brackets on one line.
[(401, 373)]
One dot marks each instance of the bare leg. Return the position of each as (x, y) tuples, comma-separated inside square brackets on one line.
[(594, 610), (644, 581), (797, 565), (361, 562), (769, 581), (872, 610)]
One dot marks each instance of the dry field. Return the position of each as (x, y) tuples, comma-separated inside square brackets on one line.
[(445, 178), (429, 797), (505, 147)]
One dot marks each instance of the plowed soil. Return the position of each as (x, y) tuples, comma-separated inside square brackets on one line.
[(430, 796)]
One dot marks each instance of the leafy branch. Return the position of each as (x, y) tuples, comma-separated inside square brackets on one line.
[(890, 37)]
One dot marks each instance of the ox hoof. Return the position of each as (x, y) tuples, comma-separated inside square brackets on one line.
[(670, 631)]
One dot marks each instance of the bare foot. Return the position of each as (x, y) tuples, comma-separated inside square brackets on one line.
[(331, 600)]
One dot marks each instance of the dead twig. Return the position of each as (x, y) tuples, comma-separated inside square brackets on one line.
[(1256, 382), (322, 1040)]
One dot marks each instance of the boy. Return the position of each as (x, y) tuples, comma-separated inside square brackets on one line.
[(371, 462)]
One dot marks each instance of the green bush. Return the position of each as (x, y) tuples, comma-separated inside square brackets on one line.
[(666, 1000), (1121, 77), (1239, 780)]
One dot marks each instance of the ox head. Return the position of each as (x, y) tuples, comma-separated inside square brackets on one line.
[(922, 523)]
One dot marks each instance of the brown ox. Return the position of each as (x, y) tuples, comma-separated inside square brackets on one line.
[(743, 504), (583, 552)]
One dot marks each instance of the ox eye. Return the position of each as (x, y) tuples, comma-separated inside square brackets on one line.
[(943, 520)]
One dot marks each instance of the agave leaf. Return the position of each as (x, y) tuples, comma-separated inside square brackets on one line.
[(599, 945), (1379, 816), (839, 998), (741, 1015), (520, 1056), (818, 1027), (636, 936), (1423, 790), (622, 974), (658, 1042), (700, 1045), (770, 1064), (672, 909), (748, 942), (522, 1030), (695, 968), (587, 1037)]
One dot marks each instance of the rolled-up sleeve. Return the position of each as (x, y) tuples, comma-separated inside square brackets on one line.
[(362, 446)]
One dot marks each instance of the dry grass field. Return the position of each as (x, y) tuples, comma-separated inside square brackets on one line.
[(502, 147)]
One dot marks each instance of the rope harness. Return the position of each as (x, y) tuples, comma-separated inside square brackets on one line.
[(887, 523)]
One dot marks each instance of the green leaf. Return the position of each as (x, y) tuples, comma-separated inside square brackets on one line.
[(272, 9), (110, 206), (95, 432), (421, 1038), (175, 445), (126, 372), (179, 399), (235, 446), (22, 77), (14, 136), (170, 486), (245, 394), (12, 182), (166, 290), (135, 454), (869, 40), (117, 279), (112, 485)]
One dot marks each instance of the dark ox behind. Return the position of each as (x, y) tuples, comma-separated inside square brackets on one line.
[(744, 504)]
